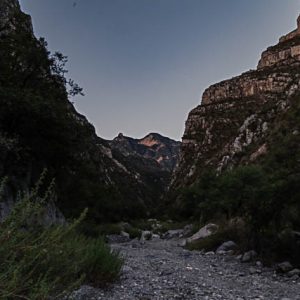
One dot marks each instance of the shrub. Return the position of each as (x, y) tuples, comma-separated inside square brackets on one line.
[(38, 263)]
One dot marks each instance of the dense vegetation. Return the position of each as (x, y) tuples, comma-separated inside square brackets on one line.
[(264, 199), (40, 128), (38, 262)]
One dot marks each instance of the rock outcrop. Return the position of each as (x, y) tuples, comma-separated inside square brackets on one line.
[(231, 125)]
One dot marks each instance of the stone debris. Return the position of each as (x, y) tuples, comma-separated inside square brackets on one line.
[(159, 269)]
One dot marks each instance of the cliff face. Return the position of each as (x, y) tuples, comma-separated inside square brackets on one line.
[(232, 124), (40, 128)]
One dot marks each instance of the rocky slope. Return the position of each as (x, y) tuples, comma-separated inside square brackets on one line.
[(232, 124), (153, 147), (151, 158), (40, 128)]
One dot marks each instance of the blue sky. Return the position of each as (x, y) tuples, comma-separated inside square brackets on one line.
[(144, 64)]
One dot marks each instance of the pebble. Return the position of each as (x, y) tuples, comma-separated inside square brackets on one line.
[(162, 270)]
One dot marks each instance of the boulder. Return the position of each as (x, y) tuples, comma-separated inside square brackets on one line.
[(187, 230), (227, 246), (284, 267), (210, 253), (155, 236), (248, 256), (294, 272), (204, 232), (116, 239), (182, 243), (125, 234), (252, 270), (146, 235)]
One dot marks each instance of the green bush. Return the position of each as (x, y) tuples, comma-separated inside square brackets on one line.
[(38, 262), (134, 232)]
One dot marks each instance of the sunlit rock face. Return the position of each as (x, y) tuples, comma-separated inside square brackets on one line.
[(154, 147), (286, 52), (231, 125)]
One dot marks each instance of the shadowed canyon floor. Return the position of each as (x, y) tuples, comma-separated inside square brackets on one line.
[(162, 270)]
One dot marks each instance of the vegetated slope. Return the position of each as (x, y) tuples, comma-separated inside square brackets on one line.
[(39, 128), (152, 158), (240, 154), (153, 146)]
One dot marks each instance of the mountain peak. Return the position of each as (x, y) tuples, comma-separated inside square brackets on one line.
[(153, 146)]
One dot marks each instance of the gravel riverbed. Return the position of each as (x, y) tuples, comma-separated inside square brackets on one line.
[(162, 270)]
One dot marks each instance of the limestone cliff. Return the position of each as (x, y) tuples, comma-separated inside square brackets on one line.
[(232, 123)]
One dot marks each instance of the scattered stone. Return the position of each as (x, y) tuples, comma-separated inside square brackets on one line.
[(253, 271), (259, 264), (159, 269), (182, 243), (126, 269), (171, 234), (117, 238), (221, 252)]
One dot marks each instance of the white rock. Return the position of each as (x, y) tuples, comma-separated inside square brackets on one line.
[(146, 235), (230, 245), (204, 232), (249, 256)]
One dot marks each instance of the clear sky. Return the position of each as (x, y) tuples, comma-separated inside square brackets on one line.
[(144, 64)]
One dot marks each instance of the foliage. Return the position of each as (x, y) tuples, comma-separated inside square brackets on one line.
[(46, 131), (266, 196), (37, 262)]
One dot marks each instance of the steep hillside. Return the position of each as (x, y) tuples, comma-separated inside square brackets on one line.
[(151, 158), (153, 147), (39, 128), (232, 125)]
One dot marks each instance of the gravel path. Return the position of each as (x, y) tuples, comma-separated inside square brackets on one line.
[(162, 270)]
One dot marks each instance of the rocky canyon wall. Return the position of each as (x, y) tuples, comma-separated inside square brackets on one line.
[(232, 123)]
